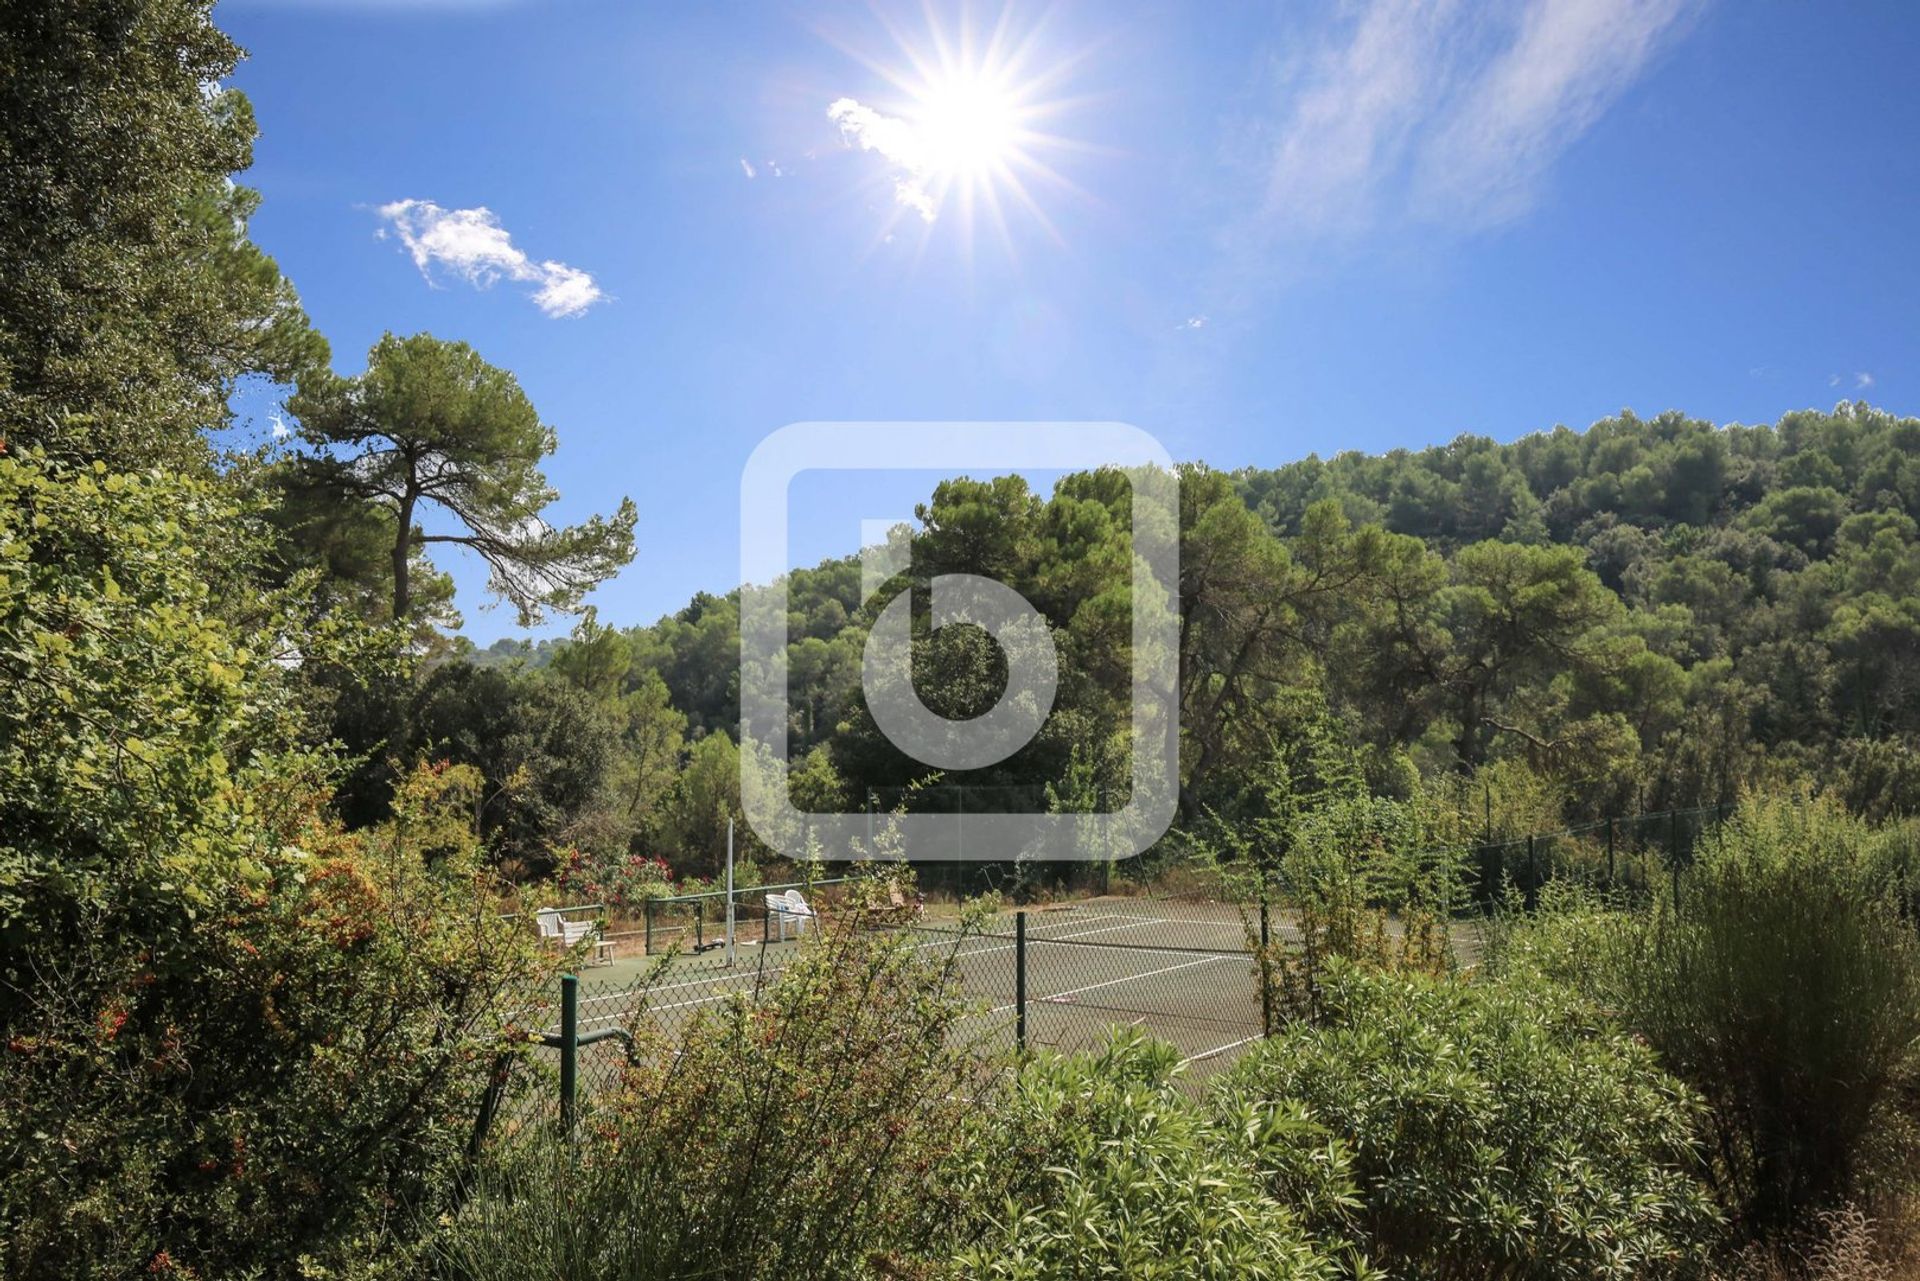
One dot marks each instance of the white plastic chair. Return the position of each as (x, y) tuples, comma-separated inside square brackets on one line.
[(798, 909), (777, 914), (789, 909)]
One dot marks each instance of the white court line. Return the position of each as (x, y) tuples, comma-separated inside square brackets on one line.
[(1130, 978), (1127, 922), (1222, 1049), (940, 942)]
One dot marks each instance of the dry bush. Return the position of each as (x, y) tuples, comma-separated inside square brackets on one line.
[(1846, 1244)]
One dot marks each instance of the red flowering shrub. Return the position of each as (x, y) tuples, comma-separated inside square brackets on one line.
[(620, 881)]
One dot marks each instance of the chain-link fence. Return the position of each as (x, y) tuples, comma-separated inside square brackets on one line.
[(1050, 975), (1629, 855), (697, 922), (1057, 976)]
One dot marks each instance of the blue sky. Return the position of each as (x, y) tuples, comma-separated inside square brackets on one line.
[(1255, 231)]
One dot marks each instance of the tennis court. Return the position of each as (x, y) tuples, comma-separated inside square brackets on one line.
[(1183, 971)]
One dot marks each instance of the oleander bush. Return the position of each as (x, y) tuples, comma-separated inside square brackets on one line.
[(1492, 1130), (1111, 1171)]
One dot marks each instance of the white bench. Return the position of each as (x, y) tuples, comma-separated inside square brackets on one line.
[(567, 935)]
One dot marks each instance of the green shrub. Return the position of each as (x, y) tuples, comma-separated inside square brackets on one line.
[(802, 1130), (1785, 985), (1112, 1172), (1358, 877), (1492, 1131), (230, 1035)]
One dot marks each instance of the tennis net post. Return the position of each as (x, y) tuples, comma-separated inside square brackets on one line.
[(1020, 979)]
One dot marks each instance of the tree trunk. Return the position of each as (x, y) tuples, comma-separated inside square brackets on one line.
[(402, 559)]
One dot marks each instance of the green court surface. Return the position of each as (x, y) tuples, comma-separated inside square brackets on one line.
[(1183, 972)]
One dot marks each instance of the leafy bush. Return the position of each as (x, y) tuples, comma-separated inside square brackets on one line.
[(1363, 891), (1110, 1171), (1358, 876), (801, 1130), (233, 1036), (1492, 1131), (1785, 985)]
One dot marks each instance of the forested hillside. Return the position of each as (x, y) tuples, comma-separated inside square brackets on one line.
[(1648, 613)]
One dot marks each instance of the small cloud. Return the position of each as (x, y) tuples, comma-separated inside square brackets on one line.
[(1862, 381), (471, 244), (1833, 380), (1192, 322), (278, 426), (896, 141), (564, 290), (746, 167)]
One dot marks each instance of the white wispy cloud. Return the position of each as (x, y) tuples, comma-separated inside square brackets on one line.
[(1571, 60), (1346, 128), (1192, 322), (472, 245), (1862, 381), (1436, 111), (746, 167), (896, 141)]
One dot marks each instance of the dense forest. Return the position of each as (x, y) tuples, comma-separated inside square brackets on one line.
[(1647, 614)]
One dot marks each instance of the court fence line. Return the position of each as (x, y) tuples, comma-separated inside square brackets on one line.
[(1060, 986)]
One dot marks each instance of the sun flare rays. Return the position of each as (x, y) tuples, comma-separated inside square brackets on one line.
[(962, 128)]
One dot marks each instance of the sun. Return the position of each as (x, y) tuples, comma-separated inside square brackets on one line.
[(967, 132), (969, 126)]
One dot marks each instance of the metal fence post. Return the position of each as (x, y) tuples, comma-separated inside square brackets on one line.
[(569, 1049), (1266, 971), (1106, 854), (1610, 871), (1020, 979), (1673, 853), (1533, 875), (647, 911)]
